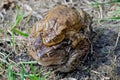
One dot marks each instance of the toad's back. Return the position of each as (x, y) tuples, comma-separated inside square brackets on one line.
[(60, 20)]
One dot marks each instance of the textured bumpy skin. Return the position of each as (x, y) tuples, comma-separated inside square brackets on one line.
[(62, 38)]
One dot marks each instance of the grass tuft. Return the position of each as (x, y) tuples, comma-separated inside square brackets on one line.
[(14, 26)]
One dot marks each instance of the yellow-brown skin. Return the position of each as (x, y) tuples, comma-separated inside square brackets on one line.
[(48, 43), (60, 22)]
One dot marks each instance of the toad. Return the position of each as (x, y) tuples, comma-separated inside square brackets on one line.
[(62, 38)]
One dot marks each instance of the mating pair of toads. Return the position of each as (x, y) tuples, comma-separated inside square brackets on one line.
[(62, 38)]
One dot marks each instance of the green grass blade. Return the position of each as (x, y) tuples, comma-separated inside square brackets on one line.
[(18, 18), (17, 21), (116, 0), (21, 33), (12, 39), (10, 75), (22, 74), (96, 3)]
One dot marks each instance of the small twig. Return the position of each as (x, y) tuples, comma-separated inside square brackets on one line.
[(2, 54), (4, 61), (117, 39), (101, 11), (2, 13), (102, 77)]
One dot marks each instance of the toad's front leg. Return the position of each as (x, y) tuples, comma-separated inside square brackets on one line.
[(76, 56), (75, 37)]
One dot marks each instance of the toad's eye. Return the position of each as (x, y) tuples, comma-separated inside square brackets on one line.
[(56, 39)]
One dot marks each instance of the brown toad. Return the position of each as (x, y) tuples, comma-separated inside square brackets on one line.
[(62, 38)]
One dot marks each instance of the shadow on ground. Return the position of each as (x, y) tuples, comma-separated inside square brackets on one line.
[(104, 63)]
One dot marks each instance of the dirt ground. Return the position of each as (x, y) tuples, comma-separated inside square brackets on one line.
[(102, 64)]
